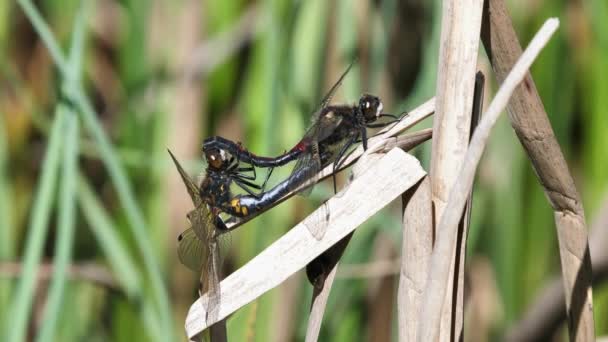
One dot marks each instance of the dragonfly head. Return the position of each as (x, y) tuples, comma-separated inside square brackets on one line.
[(371, 107), (216, 158)]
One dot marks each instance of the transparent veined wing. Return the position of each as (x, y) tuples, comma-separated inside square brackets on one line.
[(192, 252)]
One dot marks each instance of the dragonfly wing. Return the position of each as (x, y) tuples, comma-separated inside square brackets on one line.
[(191, 251), (211, 277), (332, 91), (203, 222), (306, 168), (320, 219), (318, 222), (190, 184)]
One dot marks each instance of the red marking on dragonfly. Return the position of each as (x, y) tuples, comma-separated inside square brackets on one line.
[(301, 146)]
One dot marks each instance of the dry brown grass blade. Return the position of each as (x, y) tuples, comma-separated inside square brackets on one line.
[(317, 310), (458, 51), (383, 181), (441, 260), (548, 311), (532, 126), (416, 251)]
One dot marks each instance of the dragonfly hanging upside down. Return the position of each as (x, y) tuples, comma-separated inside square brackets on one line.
[(199, 246)]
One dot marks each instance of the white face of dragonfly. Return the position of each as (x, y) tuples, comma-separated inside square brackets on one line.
[(379, 110)]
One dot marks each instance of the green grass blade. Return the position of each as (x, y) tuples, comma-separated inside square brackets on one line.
[(132, 210), (76, 57), (65, 232), (45, 34), (115, 170), (122, 265), (6, 230), (22, 302)]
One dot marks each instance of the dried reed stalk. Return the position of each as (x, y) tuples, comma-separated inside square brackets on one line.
[(458, 51), (532, 126), (416, 251), (441, 260)]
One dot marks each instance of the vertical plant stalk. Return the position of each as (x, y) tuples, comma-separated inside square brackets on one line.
[(21, 306), (116, 253), (65, 232), (548, 311), (319, 302), (532, 126), (188, 99), (7, 233), (66, 218), (417, 246), (459, 44), (441, 259)]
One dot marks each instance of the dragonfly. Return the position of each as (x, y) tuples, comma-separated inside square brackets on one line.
[(334, 130)]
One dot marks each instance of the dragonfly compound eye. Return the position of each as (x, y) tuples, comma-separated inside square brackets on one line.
[(370, 107), (215, 158)]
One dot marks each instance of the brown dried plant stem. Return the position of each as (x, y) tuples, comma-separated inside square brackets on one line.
[(459, 45), (548, 311), (441, 259), (417, 243), (532, 126)]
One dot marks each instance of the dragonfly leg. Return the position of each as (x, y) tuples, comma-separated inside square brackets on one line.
[(246, 185), (233, 163), (242, 175), (364, 138), (266, 180), (246, 182), (341, 157), (235, 169), (394, 117), (384, 124)]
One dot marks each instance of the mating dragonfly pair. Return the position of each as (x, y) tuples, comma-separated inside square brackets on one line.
[(335, 129)]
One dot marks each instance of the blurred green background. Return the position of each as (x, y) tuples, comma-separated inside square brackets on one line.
[(87, 188)]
